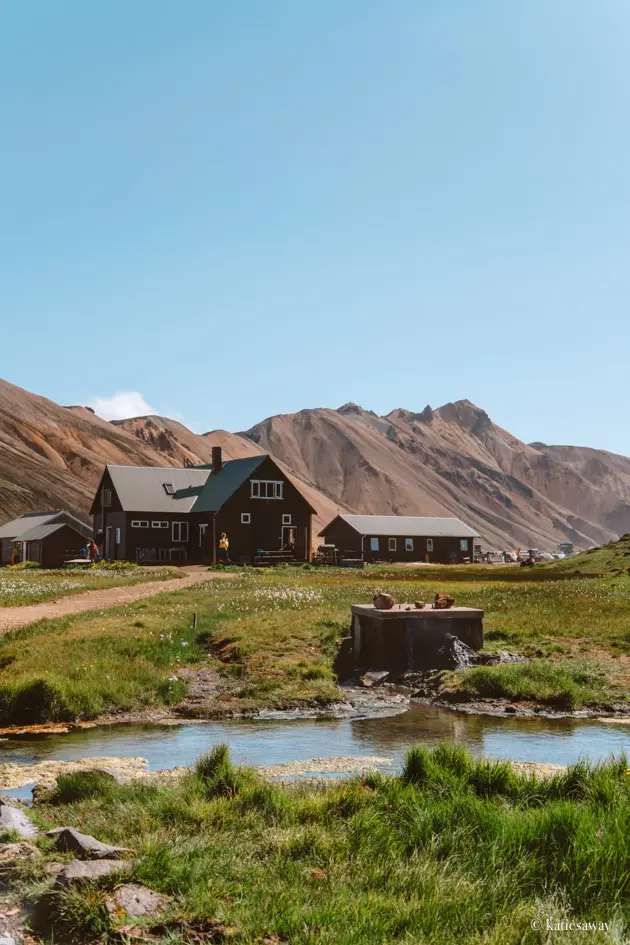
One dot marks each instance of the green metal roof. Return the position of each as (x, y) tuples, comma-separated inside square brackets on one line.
[(219, 488)]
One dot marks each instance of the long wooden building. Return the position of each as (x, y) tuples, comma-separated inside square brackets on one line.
[(401, 538)]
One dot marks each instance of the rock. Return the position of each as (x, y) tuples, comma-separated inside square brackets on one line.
[(13, 852), (79, 871), (383, 601), (373, 678), (135, 901), (71, 841), (13, 818), (418, 604), (443, 602), (453, 654), (7, 939)]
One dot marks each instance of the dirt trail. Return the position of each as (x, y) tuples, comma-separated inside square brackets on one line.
[(13, 617)]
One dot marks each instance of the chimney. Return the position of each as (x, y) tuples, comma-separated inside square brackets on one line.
[(217, 461)]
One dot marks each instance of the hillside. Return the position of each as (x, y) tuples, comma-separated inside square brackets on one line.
[(450, 461), (611, 558), (455, 460), (53, 456)]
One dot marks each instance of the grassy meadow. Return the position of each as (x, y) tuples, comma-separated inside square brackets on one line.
[(455, 849), (32, 586), (270, 640)]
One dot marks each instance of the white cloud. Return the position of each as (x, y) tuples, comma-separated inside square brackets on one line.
[(122, 404)]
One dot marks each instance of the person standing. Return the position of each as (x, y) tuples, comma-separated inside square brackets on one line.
[(224, 547), (15, 555)]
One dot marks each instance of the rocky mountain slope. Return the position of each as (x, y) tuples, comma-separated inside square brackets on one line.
[(453, 460), (53, 456)]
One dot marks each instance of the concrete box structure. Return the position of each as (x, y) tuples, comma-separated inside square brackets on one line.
[(402, 639)]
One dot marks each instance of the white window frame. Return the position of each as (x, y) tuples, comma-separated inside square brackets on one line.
[(159, 524), (117, 536), (106, 497), (391, 544), (286, 518), (139, 523), (374, 544), (179, 528), (429, 544), (408, 544), (267, 489), (246, 518)]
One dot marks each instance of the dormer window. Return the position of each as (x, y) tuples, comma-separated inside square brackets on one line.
[(169, 488)]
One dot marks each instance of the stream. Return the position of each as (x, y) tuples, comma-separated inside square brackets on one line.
[(275, 741)]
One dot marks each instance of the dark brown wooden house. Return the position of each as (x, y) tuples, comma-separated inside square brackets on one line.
[(158, 513), (400, 538), (49, 538)]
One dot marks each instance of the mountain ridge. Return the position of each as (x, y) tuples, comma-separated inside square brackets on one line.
[(449, 460)]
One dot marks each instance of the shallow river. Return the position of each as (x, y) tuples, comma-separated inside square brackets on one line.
[(268, 742)]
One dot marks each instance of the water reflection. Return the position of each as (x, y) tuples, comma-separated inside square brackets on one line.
[(257, 742)]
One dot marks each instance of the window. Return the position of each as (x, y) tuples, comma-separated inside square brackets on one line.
[(169, 488), (429, 544), (180, 531), (463, 544), (159, 524), (245, 518), (138, 523), (117, 536), (267, 489), (392, 544), (202, 534), (373, 544), (106, 497), (408, 544), (286, 519)]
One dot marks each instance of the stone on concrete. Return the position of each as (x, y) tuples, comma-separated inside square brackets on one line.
[(373, 678), (135, 901), (81, 871), (71, 841), (14, 818)]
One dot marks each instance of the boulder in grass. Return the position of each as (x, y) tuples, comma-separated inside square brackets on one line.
[(135, 901), (11, 853), (16, 819), (71, 841), (80, 871)]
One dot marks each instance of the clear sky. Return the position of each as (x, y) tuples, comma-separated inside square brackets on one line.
[(237, 209)]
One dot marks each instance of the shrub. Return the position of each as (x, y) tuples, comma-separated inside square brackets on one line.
[(218, 777), (24, 566)]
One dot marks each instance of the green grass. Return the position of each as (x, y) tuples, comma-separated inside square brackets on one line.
[(272, 640), (19, 587), (612, 558), (454, 850)]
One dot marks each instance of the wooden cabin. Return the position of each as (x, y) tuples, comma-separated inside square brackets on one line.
[(49, 538), (401, 538)]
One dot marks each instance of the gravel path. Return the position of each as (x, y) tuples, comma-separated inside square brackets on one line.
[(11, 618)]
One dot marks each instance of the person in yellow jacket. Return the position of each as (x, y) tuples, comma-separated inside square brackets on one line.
[(224, 547)]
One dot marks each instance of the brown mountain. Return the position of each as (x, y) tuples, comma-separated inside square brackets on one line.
[(53, 457), (453, 460)]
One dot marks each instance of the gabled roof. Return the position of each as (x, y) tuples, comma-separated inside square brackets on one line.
[(409, 526), (218, 489), (141, 488), (43, 531), (18, 527)]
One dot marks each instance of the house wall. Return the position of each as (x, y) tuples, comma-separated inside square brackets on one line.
[(265, 528), (51, 552), (145, 544), (445, 550)]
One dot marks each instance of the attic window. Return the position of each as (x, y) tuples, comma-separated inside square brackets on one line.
[(169, 488)]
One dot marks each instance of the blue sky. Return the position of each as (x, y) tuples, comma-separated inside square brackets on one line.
[(239, 209)]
